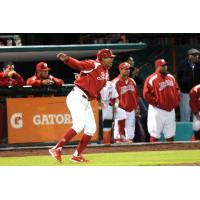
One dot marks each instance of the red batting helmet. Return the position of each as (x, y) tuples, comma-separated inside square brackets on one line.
[(104, 53), (160, 62), (124, 65)]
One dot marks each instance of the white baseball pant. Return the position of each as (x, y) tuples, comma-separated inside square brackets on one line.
[(108, 113), (195, 124), (129, 126), (160, 121), (81, 112)]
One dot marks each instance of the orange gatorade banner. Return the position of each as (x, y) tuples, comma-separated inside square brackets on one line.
[(41, 119)]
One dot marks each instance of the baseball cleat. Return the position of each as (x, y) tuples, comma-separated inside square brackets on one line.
[(123, 141), (78, 159), (56, 154)]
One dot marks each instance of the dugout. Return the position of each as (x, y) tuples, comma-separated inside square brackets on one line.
[(25, 59)]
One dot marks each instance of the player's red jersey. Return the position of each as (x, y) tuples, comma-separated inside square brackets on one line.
[(195, 99), (93, 76), (128, 93), (16, 80), (161, 91), (37, 81)]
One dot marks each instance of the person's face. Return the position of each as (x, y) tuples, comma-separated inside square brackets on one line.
[(108, 62), (194, 58), (131, 61), (43, 74), (125, 72), (162, 69), (9, 68)]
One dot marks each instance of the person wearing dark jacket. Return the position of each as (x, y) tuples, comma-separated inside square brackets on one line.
[(188, 75)]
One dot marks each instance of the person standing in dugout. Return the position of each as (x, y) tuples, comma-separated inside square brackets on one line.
[(163, 95), (188, 75), (109, 99), (195, 108), (93, 77), (128, 101)]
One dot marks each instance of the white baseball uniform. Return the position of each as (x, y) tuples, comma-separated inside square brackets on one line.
[(107, 94), (128, 100), (162, 94), (78, 100)]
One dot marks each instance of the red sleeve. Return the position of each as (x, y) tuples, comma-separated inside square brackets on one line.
[(79, 65), (3, 82), (34, 82), (194, 101), (149, 94), (19, 80)]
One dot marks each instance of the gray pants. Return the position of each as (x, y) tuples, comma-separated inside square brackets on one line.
[(185, 111)]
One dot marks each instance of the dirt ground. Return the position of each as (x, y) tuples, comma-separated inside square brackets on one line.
[(104, 149)]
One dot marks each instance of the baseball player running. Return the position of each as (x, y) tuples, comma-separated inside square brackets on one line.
[(128, 100), (195, 107), (162, 93), (93, 77)]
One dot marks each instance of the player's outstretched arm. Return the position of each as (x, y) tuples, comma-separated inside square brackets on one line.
[(63, 57)]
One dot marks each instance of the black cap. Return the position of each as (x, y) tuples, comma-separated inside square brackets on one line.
[(193, 51)]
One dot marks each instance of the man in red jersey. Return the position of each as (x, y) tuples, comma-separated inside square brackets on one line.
[(42, 77), (128, 101), (162, 93), (195, 107), (9, 77), (93, 77)]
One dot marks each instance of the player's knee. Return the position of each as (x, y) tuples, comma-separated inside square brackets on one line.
[(196, 126), (91, 130), (78, 127)]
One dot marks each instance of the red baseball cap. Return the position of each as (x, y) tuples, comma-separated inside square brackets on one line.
[(42, 66), (124, 65), (105, 53), (160, 62)]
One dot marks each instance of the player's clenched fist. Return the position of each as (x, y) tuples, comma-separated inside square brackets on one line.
[(63, 57)]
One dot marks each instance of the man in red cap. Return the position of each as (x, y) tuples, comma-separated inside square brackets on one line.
[(42, 77), (162, 93), (128, 101), (93, 77)]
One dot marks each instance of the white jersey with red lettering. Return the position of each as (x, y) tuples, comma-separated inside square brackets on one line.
[(108, 93)]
